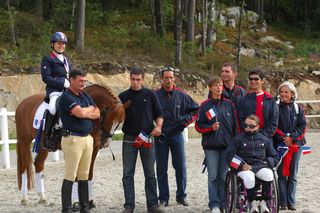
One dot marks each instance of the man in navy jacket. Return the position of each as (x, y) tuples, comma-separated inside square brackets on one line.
[(179, 111)]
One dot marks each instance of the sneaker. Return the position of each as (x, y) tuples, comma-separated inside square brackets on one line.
[(182, 202), (127, 210), (215, 210), (264, 207), (292, 208), (254, 207), (283, 208), (155, 209), (164, 203)]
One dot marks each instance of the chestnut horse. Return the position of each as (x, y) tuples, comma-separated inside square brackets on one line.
[(112, 114)]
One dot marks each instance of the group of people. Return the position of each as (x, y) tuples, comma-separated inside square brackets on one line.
[(154, 124)]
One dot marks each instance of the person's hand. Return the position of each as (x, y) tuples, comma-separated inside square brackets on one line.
[(288, 141), (66, 83), (215, 126), (156, 131), (246, 167)]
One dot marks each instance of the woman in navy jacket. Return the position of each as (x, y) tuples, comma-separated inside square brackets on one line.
[(290, 132), (217, 122), (54, 72)]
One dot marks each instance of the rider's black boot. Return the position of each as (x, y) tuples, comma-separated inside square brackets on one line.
[(66, 192), (83, 191)]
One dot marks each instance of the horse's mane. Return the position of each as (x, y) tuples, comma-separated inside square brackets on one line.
[(107, 89)]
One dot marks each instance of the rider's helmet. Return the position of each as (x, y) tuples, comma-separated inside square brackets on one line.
[(58, 36)]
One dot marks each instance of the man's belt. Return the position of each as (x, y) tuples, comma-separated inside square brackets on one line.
[(67, 133)]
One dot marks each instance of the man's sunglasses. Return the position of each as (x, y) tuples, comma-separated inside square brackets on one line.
[(250, 126), (254, 79), (168, 69)]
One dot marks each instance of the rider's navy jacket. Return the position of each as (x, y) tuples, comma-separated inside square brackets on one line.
[(234, 94), (247, 106), (225, 113), (54, 73), (255, 149), (290, 121), (142, 111), (70, 122), (178, 108)]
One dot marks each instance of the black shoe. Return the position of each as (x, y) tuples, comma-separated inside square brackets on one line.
[(283, 208), (164, 203), (127, 210), (182, 202), (292, 208), (92, 204), (155, 209)]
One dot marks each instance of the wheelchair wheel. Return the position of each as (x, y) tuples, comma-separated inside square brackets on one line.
[(274, 202), (231, 194)]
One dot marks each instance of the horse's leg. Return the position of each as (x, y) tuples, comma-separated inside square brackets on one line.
[(39, 166), (24, 166), (96, 148)]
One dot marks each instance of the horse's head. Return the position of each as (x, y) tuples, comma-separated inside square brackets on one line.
[(110, 119)]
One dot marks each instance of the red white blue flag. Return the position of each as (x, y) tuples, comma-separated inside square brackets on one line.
[(306, 150), (210, 114), (235, 162), (143, 140)]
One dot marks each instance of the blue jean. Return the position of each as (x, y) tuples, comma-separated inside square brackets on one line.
[(129, 159), (217, 171), (288, 185), (176, 144)]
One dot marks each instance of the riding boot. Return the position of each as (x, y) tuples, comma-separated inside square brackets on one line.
[(48, 126), (265, 194), (66, 192), (83, 191)]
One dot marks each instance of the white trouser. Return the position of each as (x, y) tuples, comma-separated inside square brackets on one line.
[(52, 103), (248, 176)]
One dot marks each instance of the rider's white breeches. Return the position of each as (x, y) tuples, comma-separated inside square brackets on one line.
[(248, 176), (52, 104)]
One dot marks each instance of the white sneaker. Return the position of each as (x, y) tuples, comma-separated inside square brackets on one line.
[(264, 207), (215, 210), (254, 206)]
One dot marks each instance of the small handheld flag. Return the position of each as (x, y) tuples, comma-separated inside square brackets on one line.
[(306, 150), (235, 162), (210, 114), (142, 140)]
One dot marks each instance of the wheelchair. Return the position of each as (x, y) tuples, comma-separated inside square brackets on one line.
[(236, 195)]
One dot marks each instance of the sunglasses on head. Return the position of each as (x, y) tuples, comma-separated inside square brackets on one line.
[(254, 79), (250, 126), (168, 69)]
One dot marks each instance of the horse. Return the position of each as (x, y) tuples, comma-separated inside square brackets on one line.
[(112, 113)]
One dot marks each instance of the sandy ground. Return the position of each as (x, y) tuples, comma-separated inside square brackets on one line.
[(108, 191)]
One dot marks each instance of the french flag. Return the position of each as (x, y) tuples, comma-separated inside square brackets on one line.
[(143, 139), (210, 114), (282, 150), (235, 162), (306, 150)]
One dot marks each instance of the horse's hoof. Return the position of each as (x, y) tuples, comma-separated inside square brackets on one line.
[(43, 201), (75, 207), (24, 202), (92, 205)]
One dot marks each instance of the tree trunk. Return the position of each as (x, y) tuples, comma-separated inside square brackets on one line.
[(79, 37), (178, 31), (190, 21), (211, 18), (72, 13), (39, 8), (160, 30), (11, 24), (204, 27), (306, 16), (239, 34)]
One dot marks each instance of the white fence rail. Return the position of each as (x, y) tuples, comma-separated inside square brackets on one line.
[(5, 141)]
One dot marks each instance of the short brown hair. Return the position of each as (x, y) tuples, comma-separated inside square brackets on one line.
[(232, 65), (76, 72), (214, 80), (137, 71), (254, 118), (258, 72)]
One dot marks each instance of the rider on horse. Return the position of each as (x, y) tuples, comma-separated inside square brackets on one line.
[(54, 71)]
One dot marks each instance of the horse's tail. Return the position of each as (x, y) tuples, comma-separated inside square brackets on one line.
[(24, 162)]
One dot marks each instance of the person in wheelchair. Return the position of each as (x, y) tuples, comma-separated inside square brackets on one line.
[(257, 157)]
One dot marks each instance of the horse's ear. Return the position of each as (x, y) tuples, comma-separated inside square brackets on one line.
[(126, 104)]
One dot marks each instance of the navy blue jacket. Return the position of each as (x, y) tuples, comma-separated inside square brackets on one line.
[(247, 106), (235, 94), (142, 111), (70, 122), (179, 110), (225, 113), (291, 122), (53, 73), (255, 149)]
